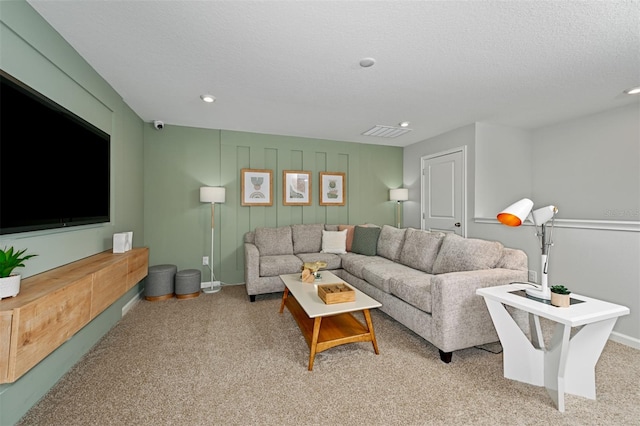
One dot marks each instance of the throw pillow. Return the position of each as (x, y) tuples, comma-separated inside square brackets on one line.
[(466, 254), (274, 241), (420, 249), (349, 229), (365, 240), (334, 242)]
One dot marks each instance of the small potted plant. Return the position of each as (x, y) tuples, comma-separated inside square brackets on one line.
[(9, 260), (560, 296)]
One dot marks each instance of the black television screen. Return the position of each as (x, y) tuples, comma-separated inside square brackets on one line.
[(54, 166)]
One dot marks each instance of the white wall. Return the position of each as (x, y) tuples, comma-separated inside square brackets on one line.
[(589, 167), (503, 168), (464, 136)]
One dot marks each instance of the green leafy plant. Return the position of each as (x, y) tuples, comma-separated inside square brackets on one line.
[(559, 289), (9, 260)]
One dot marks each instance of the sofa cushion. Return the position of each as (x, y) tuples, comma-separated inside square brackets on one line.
[(513, 259), (307, 238), (420, 249), (379, 274), (274, 241), (272, 266), (333, 260), (390, 242), (365, 240), (414, 287), (355, 263), (328, 227), (349, 229), (334, 242), (466, 254)]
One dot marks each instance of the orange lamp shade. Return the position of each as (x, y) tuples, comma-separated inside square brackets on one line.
[(509, 219), (516, 213)]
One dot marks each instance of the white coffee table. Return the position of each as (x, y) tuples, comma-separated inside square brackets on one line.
[(326, 326), (568, 365)]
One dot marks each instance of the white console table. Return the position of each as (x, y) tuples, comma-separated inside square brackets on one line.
[(568, 365)]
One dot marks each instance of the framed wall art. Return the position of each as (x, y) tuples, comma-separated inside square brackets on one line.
[(257, 187), (333, 189), (296, 188)]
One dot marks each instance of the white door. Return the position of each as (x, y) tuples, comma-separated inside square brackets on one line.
[(443, 192)]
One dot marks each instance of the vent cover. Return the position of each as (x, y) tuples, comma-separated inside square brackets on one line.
[(386, 131)]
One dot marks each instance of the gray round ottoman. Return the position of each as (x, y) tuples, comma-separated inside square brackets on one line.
[(188, 284), (160, 282)]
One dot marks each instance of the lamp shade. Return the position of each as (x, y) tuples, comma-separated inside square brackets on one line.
[(212, 194), (543, 214), (400, 194), (516, 213)]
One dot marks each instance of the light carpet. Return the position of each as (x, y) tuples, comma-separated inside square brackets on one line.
[(220, 360)]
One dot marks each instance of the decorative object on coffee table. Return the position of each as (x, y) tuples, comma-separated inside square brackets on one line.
[(310, 271), (9, 260), (560, 296), (336, 293)]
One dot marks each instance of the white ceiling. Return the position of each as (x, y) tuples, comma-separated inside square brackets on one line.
[(292, 67)]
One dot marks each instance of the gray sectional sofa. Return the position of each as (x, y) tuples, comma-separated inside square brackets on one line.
[(427, 281)]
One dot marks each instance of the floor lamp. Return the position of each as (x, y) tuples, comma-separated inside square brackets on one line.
[(398, 195), (515, 215), (213, 195)]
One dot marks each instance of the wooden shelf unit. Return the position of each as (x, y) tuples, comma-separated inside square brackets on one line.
[(54, 305)]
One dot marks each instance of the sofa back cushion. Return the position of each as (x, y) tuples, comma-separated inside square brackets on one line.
[(365, 240), (466, 254), (274, 241), (390, 242), (513, 259), (420, 249), (307, 238)]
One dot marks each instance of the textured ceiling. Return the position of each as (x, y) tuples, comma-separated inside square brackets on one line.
[(292, 67)]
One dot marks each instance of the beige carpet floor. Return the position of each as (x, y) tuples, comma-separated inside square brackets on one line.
[(220, 360)]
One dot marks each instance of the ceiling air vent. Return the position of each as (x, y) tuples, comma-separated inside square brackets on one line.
[(386, 131)]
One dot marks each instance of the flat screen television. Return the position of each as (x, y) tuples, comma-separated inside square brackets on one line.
[(54, 166)]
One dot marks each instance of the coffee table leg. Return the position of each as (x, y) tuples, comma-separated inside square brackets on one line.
[(284, 299), (367, 318), (314, 341)]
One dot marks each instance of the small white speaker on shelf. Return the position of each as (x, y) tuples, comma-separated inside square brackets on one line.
[(122, 242)]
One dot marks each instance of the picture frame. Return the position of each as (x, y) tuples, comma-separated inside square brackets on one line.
[(333, 189), (256, 187), (296, 188)]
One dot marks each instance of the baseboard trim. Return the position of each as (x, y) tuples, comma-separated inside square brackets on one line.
[(625, 340), (131, 303)]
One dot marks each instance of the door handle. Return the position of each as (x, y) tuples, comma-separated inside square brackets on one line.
[(457, 224)]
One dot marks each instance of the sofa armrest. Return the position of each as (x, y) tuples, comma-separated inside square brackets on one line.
[(251, 265), (460, 316)]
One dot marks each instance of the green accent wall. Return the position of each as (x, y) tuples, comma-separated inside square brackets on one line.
[(33, 52), (179, 160)]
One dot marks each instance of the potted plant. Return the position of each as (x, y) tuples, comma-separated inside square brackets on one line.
[(560, 296), (9, 260)]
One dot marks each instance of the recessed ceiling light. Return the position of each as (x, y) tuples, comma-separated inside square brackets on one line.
[(633, 91), (404, 124), (367, 62), (208, 98)]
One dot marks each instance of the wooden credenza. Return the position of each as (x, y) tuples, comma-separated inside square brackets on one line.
[(52, 306)]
